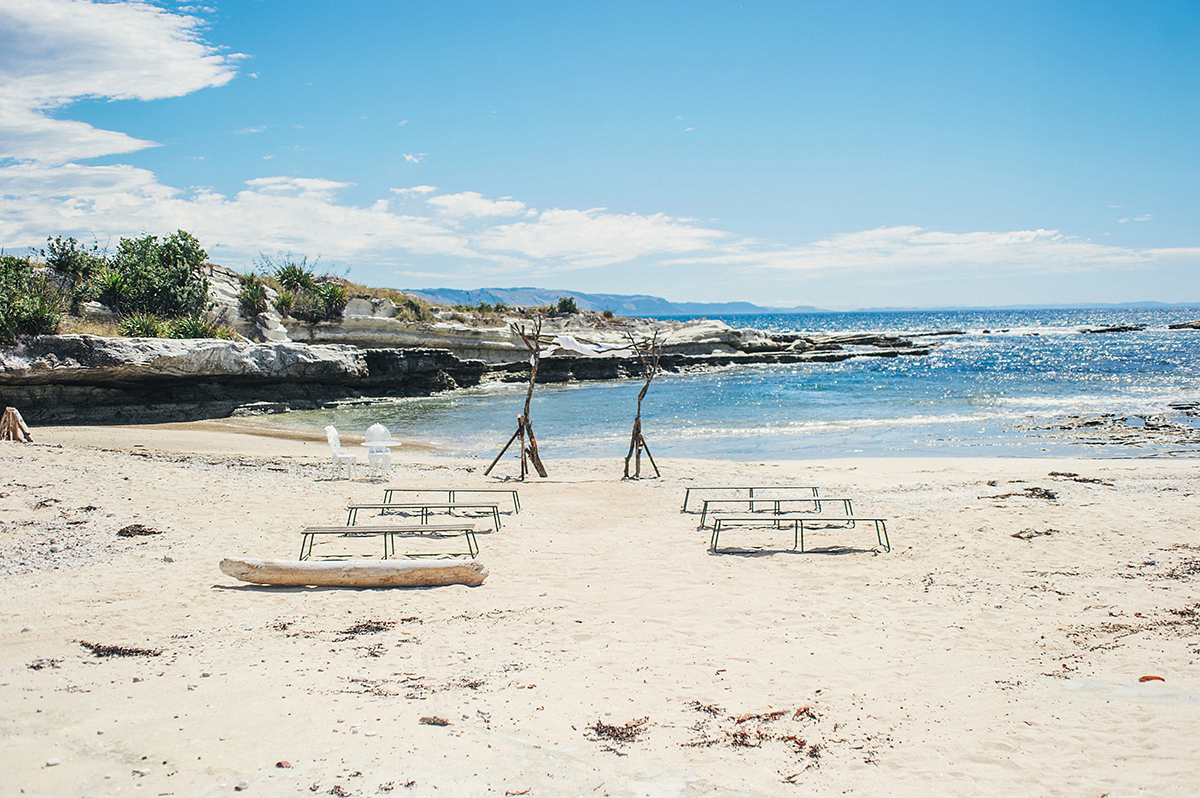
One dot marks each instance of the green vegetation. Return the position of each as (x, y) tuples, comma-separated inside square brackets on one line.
[(302, 295), (30, 303), (143, 325), (68, 257), (196, 327), (160, 278), (295, 277), (412, 309), (154, 286), (284, 303), (566, 304), (252, 298), (147, 325), (608, 314)]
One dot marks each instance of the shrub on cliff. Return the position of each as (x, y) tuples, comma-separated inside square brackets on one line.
[(252, 298), (148, 276), (301, 294), (143, 325), (294, 276), (412, 309), (196, 327), (325, 303), (30, 303), (81, 265)]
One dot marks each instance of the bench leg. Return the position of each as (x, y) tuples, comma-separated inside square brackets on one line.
[(881, 529), (305, 539)]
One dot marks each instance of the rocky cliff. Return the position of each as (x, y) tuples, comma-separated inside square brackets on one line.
[(89, 379)]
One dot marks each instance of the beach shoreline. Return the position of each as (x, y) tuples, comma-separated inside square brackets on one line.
[(1001, 642)]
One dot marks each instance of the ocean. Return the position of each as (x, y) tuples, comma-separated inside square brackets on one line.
[(1003, 388)]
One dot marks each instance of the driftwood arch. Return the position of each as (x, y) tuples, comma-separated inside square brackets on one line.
[(647, 350)]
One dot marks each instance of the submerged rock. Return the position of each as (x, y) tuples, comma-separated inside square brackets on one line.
[(1120, 328)]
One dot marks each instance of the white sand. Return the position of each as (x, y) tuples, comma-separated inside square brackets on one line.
[(965, 662)]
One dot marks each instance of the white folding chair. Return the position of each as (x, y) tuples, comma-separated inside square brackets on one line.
[(340, 456)]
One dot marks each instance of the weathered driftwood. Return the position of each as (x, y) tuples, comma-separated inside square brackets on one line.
[(369, 573), (532, 338), (649, 352), (12, 426)]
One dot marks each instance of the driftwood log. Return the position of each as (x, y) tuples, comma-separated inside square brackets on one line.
[(368, 573), (12, 426)]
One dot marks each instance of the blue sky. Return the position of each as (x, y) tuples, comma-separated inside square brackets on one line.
[(847, 154)]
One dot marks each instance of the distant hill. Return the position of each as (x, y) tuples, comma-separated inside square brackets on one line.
[(644, 305), (622, 305)]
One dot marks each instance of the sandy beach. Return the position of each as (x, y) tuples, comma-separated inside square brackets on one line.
[(998, 648)]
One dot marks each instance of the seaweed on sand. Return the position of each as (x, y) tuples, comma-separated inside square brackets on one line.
[(101, 650)]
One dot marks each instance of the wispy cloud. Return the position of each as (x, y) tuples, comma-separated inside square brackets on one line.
[(414, 191), (472, 203), (587, 238), (917, 249), (415, 157), (57, 51), (246, 131)]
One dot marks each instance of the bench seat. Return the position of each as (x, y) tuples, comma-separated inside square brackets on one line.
[(389, 533), (798, 523)]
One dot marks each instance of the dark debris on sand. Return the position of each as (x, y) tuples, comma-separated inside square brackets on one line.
[(137, 531), (101, 650)]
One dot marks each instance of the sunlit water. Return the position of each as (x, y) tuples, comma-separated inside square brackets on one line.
[(982, 393)]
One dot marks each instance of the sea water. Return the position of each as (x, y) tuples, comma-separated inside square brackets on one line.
[(999, 388)]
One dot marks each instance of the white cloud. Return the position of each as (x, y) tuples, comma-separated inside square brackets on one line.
[(309, 187), (414, 190), (57, 51), (917, 249), (246, 131), (579, 239), (472, 203), (415, 157), (1144, 218)]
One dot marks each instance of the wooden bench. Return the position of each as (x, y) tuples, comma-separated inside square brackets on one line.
[(453, 493), (425, 508), (809, 489), (389, 533), (798, 523), (775, 504)]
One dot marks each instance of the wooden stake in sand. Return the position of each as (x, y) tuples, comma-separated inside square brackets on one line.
[(648, 350), (12, 426), (532, 338)]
